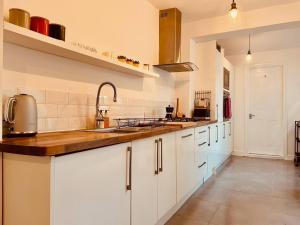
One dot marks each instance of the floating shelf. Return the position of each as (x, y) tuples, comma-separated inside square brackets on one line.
[(33, 40)]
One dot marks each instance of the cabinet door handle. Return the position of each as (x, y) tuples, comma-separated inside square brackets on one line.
[(202, 165), (217, 140), (224, 131), (217, 106), (230, 129), (202, 132), (161, 155), (202, 144), (208, 136), (186, 136), (157, 159), (129, 151)]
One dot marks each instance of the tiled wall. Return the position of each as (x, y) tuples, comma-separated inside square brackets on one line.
[(58, 110)]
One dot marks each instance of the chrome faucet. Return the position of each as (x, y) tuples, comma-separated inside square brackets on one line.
[(99, 116)]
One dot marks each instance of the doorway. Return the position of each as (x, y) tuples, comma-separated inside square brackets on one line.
[(265, 112)]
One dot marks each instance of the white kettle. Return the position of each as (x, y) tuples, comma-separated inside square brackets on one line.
[(20, 115)]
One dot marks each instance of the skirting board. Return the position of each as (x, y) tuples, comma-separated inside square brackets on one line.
[(244, 154)]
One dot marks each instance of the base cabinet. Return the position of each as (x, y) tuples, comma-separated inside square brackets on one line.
[(91, 187), (186, 174), (134, 183), (153, 178)]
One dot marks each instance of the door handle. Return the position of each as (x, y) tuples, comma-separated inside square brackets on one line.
[(161, 155), (224, 131), (157, 157), (251, 116), (208, 136), (230, 129), (217, 140), (129, 151)]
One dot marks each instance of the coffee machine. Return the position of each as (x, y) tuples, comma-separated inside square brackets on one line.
[(169, 112)]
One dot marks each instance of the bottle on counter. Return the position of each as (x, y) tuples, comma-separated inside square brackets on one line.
[(106, 119)]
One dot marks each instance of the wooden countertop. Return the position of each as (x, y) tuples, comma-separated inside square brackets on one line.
[(60, 143)]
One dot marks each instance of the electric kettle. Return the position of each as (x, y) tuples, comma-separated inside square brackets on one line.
[(20, 116)]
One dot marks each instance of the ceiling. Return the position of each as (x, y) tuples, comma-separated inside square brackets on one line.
[(200, 9), (267, 41)]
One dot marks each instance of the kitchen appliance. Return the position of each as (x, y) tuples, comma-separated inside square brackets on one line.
[(201, 113), (20, 116), (169, 111), (40, 25), (19, 17), (202, 105), (170, 42), (57, 31)]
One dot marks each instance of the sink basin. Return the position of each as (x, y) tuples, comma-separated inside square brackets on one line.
[(121, 130)]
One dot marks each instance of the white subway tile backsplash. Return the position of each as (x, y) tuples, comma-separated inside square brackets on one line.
[(78, 123), (51, 124), (47, 110), (59, 110), (39, 95), (56, 97), (78, 99), (62, 124)]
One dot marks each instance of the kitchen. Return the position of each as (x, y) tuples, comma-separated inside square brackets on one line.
[(150, 171)]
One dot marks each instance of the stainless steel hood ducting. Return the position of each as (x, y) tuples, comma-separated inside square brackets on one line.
[(170, 43)]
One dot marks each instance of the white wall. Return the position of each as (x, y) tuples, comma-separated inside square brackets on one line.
[(289, 59), (123, 27)]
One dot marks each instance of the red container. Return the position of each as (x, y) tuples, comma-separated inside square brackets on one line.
[(40, 25)]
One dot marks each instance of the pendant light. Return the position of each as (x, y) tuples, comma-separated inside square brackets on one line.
[(233, 12), (249, 54)]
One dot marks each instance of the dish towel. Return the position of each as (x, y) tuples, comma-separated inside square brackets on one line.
[(227, 108)]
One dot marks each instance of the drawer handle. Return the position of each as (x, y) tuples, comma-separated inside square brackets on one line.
[(202, 144), (161, 155), (157, 157), (202, 132), (186, 136), (128, 186), (202, 165)]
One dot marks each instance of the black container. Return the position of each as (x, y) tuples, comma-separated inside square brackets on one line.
[(57, 31)]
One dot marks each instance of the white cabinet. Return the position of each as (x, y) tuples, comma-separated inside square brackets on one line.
[(153, 178), (144, 181), (186, 176), (91, 187), (201, 153), (167, 174), (213, 146)]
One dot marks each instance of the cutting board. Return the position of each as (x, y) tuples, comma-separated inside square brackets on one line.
[(182, 124)]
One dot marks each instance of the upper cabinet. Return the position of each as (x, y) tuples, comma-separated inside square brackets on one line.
[(36, 41)]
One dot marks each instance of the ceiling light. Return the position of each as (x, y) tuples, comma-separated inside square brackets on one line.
[(249, 54), (233, 12)]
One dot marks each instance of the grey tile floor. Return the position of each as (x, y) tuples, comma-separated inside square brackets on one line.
[(247, 191)]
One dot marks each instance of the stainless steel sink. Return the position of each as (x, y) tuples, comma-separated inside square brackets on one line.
[(121, 130)]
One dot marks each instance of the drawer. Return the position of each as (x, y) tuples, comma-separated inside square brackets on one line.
[(201, 156), (201, 144), (201, 133)]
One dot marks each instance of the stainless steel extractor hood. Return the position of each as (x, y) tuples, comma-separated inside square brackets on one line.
[(170, 42)]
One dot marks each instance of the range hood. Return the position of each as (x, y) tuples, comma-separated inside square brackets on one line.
[(170, 43)]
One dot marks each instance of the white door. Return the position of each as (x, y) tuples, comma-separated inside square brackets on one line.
[(167, 174), (186, 173), (144, 182), (90, 187), (264, 134)]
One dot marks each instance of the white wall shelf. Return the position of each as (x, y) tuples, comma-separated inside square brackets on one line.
[(33, 40)]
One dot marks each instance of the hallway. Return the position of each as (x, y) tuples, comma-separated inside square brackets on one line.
[(247, 191)]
